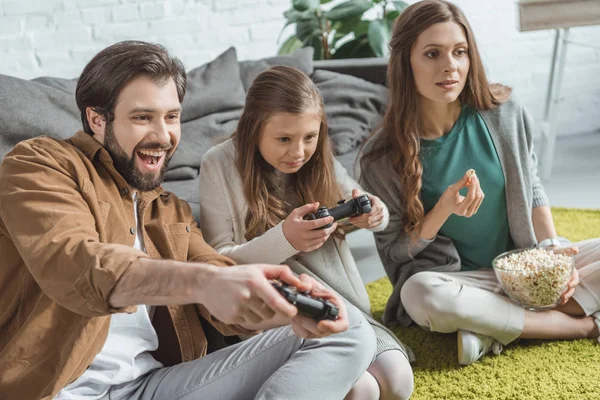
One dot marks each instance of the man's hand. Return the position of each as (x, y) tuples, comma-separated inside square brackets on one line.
[(369, 220), (308, 328), (244, 294), (303, 235)]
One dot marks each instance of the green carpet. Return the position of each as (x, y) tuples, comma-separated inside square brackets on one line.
[(526, 369)]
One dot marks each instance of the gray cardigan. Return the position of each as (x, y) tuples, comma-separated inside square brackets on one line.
[(511, 128)]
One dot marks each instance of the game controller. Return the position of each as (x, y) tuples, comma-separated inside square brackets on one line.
[(346, 209), (312, 307)]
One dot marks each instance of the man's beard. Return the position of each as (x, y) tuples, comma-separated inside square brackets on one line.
[(126, 167)]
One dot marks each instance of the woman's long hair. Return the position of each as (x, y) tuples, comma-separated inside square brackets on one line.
[(281, 89), (401, 127)]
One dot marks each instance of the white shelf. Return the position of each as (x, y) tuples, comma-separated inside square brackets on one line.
[(549, 14)]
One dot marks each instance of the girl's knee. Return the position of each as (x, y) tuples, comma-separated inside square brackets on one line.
[(394, 375), (360, 336), (365, 388)]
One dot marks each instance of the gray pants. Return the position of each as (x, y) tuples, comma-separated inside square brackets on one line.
[(273, 365), (474, 300)]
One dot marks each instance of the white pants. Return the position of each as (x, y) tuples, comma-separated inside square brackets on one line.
[(474, 301)]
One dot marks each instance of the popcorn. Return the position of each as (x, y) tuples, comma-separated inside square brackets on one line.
[(534, 278)]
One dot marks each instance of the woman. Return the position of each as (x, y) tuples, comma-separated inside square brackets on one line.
[(446, 226), (256, 188)]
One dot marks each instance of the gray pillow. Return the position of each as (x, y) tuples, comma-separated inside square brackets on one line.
[(301, 59), (354, 107), (44, 106), (211, 109)]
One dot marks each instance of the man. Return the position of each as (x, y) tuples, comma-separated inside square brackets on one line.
[(86, 234)]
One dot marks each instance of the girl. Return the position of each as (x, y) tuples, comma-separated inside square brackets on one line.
[(256, 188), (444, 119)]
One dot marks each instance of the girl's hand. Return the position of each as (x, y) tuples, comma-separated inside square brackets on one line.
[(452, 202), (372, 219), (303, 235)]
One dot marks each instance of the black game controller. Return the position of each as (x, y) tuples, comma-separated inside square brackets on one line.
[(345, 209), (312, 307)]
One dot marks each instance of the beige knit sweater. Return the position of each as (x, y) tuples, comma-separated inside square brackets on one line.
[(222, 220)]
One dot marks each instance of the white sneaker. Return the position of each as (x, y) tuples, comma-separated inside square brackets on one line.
[(472, 346)]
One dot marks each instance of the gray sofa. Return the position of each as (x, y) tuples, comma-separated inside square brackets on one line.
[(211, 109)]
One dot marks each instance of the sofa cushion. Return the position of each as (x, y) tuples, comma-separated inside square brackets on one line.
[(212, 107), (354, 107), (301, 59), (43, 106)]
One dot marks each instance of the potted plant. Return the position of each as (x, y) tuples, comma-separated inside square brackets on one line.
[(341, 31)]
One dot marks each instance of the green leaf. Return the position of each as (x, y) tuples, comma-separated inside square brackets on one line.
[(290, 45), (345, 50), (349, 9), (363, 50), (400, 5), (357, 48), (392, 15), (361, 28), (325, 1), (347, 25), (295, 15), (306, 28), (303, 5), (317, 43), (379, 37), (336, 37)]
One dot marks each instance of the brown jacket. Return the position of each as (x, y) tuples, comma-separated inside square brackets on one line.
[(67, 231)]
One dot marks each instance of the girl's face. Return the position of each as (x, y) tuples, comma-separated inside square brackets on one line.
[(440, 62), (288, 141)]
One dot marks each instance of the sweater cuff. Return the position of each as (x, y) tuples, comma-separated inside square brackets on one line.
[(420, 245), (279, 242), (384, 222), (540, 198)]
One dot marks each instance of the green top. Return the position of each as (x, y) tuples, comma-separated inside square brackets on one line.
[(445, 160)]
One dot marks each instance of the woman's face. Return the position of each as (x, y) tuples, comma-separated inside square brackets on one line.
[(440, 62), (288, 141)]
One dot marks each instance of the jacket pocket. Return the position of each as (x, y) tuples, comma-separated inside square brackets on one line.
[(100, 209), (178, 237)]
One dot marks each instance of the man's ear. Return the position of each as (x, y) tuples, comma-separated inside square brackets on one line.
[(97, 124)]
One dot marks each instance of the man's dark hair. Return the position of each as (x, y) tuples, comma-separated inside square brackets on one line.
[(109, 71)]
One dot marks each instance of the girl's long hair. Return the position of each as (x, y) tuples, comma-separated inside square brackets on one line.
[(281, 89), (401, 128)]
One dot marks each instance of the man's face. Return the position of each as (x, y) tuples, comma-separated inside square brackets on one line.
[(145, 132)]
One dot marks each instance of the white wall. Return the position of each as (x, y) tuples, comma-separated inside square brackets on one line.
[(58, 37)]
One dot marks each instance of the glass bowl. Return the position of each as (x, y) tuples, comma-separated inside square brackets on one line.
[(534, 278)]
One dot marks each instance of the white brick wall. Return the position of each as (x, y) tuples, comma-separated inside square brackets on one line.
[(58, 37)]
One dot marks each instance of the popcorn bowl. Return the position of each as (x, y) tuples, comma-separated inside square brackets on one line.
[(534, 278)]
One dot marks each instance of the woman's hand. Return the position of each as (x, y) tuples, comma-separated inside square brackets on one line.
[(452, 202), (304, 235), (308, 328), (568, 251), (372, 219)]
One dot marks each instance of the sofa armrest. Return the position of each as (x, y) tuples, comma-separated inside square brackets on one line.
[(370, 69)]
